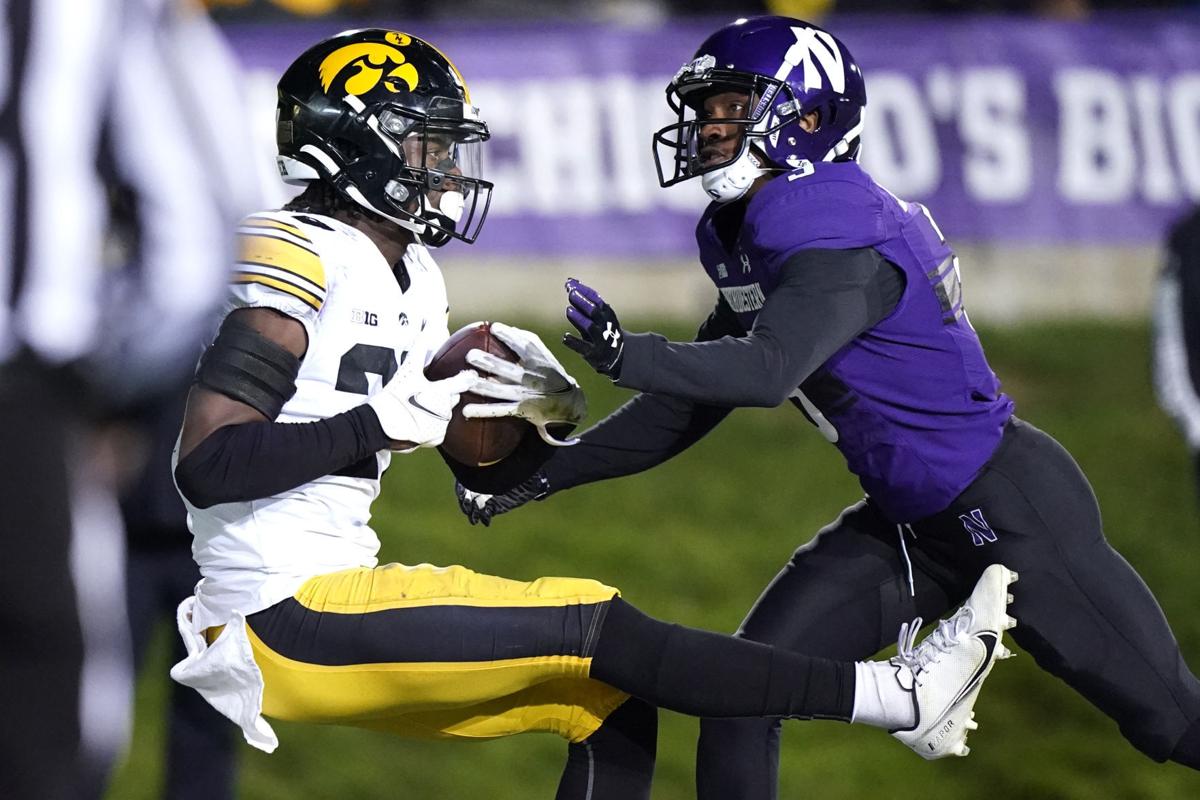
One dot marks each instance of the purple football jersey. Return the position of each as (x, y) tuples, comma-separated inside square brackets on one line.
[(911, 402)]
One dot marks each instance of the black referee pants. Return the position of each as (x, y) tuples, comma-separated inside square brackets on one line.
[(41, 653), (201, 754), (1082, 611)]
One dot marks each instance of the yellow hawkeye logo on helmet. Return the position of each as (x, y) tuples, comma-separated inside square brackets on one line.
[(373, 60)]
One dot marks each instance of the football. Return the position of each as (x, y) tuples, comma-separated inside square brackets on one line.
[(475, 442)]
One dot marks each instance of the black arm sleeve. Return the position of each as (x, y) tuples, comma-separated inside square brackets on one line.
[(253, 460), (824, 299), (644, 432)]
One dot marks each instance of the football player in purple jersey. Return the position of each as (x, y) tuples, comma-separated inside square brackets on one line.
[(836, 295)]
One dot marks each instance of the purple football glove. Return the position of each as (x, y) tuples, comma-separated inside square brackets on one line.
[(601, 341)]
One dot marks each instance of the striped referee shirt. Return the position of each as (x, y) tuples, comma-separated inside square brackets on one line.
[(1177, 329), (136, 96)]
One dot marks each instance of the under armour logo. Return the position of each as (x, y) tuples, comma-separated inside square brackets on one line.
[(745, 262), (981, 532), (611, 333)]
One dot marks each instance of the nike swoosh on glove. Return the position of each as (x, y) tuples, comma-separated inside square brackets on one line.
[(536, 388), (414, 410)]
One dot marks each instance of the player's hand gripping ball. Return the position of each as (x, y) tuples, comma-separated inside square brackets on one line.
[(475, 442), (536, 389)]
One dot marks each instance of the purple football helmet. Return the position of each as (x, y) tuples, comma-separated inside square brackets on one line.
[(789, 68)]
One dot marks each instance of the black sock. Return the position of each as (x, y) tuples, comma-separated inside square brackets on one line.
[(617, 761), (709, 675), (1187, 751)]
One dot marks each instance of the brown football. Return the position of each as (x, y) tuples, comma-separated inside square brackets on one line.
[(475, 442)]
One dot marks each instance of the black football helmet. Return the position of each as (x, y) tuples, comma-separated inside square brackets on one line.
[(387, 120)]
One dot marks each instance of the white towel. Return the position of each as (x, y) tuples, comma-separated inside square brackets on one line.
[(225, 674)]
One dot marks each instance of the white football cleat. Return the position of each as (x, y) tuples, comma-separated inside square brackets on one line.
[(944, 672)]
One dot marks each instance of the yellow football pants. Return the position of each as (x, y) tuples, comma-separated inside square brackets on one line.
[(436, 652)]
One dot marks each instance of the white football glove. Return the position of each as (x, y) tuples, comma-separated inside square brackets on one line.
[(537, 388), (412, 408)]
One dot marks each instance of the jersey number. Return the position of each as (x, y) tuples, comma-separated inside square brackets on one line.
[(364, 359), (947, 280), (356, 364)]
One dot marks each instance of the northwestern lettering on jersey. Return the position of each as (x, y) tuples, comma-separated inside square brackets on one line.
[(744, 298)]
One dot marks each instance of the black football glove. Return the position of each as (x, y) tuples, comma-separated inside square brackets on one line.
[(480, 508), (601, 341)]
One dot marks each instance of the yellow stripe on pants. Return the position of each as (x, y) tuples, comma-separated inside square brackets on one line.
[(472, 699)]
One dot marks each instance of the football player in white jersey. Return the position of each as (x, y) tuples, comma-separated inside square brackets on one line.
[(317, 375)]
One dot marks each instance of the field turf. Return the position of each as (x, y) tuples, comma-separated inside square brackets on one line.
[(695, 540)]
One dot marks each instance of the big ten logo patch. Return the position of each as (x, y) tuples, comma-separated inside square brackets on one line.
[(360, 317)]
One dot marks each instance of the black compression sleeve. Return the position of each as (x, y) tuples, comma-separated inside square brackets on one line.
[(709, 675), (253, 460), (617, 761), (824, 299), (644, 432)]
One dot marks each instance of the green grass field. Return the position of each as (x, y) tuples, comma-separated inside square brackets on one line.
[(695, 540)]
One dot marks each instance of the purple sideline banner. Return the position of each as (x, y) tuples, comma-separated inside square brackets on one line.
[(1007, 129)]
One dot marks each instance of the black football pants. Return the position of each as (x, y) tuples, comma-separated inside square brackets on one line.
[(201, 744), (1082, 611)]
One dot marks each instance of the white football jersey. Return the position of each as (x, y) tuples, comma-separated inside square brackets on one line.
[(361, 326)]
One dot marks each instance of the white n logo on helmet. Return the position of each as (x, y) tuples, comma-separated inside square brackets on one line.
[(812, 43)]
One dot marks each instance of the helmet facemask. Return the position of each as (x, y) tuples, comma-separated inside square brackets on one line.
[(432, 186), (789, 69), (679, 148)]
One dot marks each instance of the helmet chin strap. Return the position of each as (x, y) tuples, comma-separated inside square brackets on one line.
[(358, 197), (447, 216), (731, 182)]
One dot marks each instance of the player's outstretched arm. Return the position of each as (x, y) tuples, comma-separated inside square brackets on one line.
[(646, 431), (643, 433), (824, 299)]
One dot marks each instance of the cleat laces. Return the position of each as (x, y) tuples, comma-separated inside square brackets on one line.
[(941, 640)]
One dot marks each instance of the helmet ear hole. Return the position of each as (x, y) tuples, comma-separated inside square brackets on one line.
[(350, 151)]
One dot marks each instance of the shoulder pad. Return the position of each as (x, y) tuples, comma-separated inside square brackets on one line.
[(834, 206), (276, 254)]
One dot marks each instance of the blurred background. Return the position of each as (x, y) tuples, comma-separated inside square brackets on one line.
[(1055, 143)]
